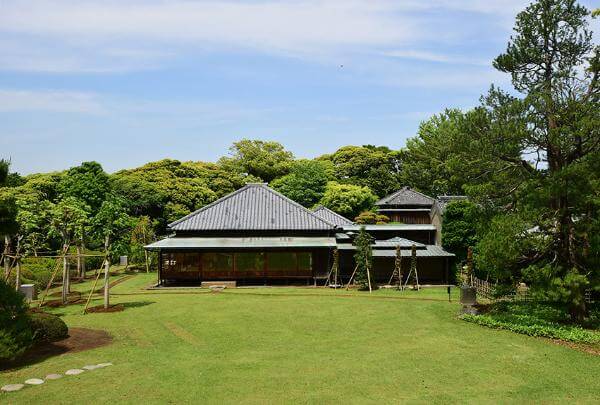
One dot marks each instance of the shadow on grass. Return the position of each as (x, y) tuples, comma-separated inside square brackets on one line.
[(79, 339)]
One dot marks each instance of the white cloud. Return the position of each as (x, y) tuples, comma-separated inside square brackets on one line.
[(50, 100), (435, 57), (111, 35)]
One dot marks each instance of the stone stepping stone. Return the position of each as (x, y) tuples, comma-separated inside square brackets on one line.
[(34, 381), (53, 376), (74, 371), (91, 367), (102, 365), (12, 387)]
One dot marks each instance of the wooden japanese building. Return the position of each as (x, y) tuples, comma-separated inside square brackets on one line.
[(256, 235)]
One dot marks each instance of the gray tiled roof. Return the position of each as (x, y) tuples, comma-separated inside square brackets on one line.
[(252, 207), (331, 216), (397, 241), (406, 196)]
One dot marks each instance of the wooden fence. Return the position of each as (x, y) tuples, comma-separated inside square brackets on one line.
[(487, 290)]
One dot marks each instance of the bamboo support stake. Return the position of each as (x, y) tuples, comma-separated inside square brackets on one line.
[(51, 279), (18, 275), (368, 274), (89, 298), (351, 277), (106, 285), (65, 280)]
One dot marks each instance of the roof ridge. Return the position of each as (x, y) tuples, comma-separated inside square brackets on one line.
[(207, 206), (404, 189), (277, 193), (321, 206)]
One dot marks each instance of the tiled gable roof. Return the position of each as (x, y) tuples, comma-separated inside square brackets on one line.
[(252, 207), (331, 216), (406, 196)]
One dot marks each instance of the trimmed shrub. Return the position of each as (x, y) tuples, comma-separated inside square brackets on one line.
[(48, 327), (15, 328)]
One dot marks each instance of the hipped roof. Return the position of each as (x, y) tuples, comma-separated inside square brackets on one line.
[(253, 207)]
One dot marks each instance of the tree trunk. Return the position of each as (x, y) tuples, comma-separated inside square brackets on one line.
[(79, 272), (6, 253), (83, 267), (18, 275), (65, 280)]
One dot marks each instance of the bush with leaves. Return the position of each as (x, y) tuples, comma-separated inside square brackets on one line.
[(15, 328), (364, 259), (371, 218), (47, 327)]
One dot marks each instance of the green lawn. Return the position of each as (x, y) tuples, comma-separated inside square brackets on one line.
[(304, 345)]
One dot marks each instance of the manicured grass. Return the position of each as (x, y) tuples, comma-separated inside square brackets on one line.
[(304, 345)]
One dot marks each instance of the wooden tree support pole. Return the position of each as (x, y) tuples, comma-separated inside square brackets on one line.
[(18, 275), (368, 275), (351, 277), (65, 249), (65, 280), (89, 298), (106, 284)]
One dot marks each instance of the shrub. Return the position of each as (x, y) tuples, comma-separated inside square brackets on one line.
[(534, 319), (48, 327), (371, 218), (15, 328)]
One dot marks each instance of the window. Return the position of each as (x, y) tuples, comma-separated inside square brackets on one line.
[(282, 261), (217, 262), (180, 262), (304, 261), (252, 262)]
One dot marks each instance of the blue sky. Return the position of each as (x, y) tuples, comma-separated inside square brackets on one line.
[(124, 83)]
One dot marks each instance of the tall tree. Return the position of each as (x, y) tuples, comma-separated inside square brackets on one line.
[(541, 145), (260, 159), (305, 183), (348, 200), (364, 259), (88, 183), (376, 167)]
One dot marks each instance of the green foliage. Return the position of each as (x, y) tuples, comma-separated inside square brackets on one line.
[(87, 182), (15, 329), (259, 159), (375, 167), (8, 213), (305, 183), (347, 199), (371, 218), (534, 319), (141, 235), (4, 166), (47, 327), (168, 189), (429, 161), (70, 218), (363, 257), (506, 247), (113, 225), (461, 222)]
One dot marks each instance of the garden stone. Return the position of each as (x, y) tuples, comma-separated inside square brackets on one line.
[(53, 376), (102, 365), (74, 371), (91, 367), (12, 387), (34, 381)]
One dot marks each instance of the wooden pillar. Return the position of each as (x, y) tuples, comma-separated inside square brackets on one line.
[(160, 264), (106, 285)]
